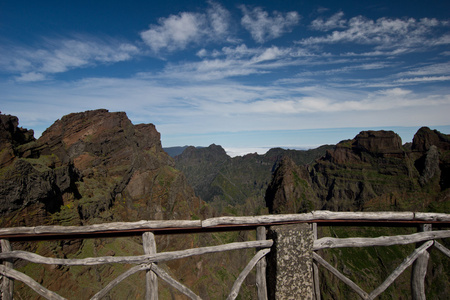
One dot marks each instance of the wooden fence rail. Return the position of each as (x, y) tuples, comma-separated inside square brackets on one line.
[(149, 261)]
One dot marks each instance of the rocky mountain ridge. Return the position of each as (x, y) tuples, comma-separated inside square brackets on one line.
[(95, 167), (373, 171), (92, 160), (236, 185)]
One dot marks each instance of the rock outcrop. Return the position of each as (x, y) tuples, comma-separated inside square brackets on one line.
[(91, 167), (373, 171), (94, 161), (290, 189), (11, 137)]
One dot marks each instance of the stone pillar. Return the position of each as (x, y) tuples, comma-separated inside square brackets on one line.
[(289, 264)]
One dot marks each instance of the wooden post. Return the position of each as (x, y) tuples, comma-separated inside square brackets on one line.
[(315, 268), (261, 267), (151, 282), (419, 271), (7, 284)]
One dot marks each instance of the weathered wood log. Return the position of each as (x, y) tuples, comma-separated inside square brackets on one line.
[(341, 276), (118, 279), (419, 270), (328, 242), (368, 216), (418, 276), (433, 217), (237, 284), (104, 227), (221, 221), (327, 215), (139, 259), (47, 294), (151, 281), (442, 248), (406, 263), (180, 287), (261, 266), (250, 220), (7, 284), (316, 281)]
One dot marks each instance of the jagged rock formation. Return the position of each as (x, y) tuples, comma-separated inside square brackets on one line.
[(290, 189), (94, 167), (373, 171), (94, 161), (11, 136), (236, 185)]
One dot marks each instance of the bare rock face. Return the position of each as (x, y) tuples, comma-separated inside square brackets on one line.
[(370, 172), (290, 189), (11, 136), (92, 167), (10, 131), (425, 138), (87, 165), (378, 142)]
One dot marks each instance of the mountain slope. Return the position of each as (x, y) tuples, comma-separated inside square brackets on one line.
[(95, 167), (236, 185), (374, 171)]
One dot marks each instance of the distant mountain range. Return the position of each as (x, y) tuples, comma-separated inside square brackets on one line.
[(96, 166), (174, 151)]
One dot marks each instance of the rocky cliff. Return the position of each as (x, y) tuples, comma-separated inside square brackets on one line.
[(373, 171), (95, 167), (86, 165)]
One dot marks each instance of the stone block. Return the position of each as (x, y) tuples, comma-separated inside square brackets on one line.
[(289, 264)]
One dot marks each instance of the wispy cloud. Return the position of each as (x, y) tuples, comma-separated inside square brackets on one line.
[(264, 27), (427, 70), (177, 32), (335, 21), (60, 55), (383, 33), (182, 108), (233, 61), (423, 79)]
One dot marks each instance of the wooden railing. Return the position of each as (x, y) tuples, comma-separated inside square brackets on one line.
[(148, 262)]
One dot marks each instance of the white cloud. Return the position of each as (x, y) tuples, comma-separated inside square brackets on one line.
[(219, 19), (263, 27), (241, 151), (31, 76), (234, 61), (432, 69), (424, 79), (61, 55), (176, 32), (181, 108), (333, 22), (384, 33)]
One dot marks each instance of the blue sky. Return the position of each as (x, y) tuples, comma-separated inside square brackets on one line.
[(248, 75)]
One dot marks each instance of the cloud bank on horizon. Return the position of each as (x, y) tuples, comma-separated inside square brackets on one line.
[(231, 73)]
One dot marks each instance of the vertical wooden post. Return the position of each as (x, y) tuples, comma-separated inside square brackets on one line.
[(7, 284), (151, 282), (419, 271), (315, 268), (261, 267)]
